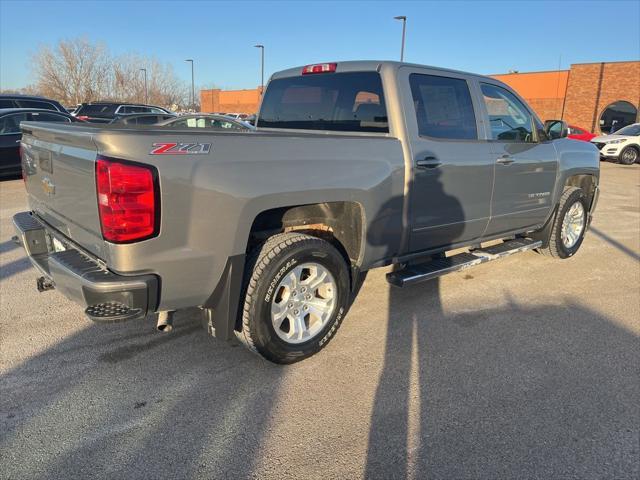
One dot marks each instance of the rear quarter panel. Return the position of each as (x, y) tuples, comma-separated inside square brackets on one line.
[(209, 201)]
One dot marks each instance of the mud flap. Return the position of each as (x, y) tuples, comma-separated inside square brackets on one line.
[(220, 311)]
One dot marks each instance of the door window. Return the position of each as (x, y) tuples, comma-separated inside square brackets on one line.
[(10, 124), (510, 119), (134, 109), (443, 107)]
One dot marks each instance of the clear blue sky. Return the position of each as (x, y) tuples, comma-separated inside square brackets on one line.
[(483, 37)]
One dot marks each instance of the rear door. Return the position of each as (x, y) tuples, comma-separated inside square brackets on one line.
[(452, 170), (525, 159)]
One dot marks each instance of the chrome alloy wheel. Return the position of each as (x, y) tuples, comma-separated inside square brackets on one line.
[(573, 225), (629, 155), (303, 303)]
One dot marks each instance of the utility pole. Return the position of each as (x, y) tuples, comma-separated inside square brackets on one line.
[(404, 29), (261, 47), (146, 92), (193, 88)]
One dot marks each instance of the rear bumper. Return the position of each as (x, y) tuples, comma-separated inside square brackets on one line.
[(81, 277)]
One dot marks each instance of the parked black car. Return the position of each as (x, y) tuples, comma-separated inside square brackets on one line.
[(142, 119), (29, 101), (10, 134), (105, 112)]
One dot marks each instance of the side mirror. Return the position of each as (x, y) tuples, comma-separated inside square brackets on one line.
[(556, 129)]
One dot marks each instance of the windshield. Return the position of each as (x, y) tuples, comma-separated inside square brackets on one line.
[(347, 102), (631, 130)]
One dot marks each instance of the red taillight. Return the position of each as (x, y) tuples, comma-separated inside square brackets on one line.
[(319, 68), (82, 117), (127, 200)]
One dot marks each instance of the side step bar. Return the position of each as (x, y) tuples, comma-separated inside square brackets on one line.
[(441, 266)]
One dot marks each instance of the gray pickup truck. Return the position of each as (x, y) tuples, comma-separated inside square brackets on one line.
[(353, 165)]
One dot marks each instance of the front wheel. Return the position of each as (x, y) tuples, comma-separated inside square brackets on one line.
[(569, 225), (295, 299), (628, 156)]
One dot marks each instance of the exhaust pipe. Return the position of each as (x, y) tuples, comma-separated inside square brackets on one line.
[(165, 322)]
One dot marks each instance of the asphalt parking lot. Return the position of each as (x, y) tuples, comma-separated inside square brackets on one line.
[(525, 367)]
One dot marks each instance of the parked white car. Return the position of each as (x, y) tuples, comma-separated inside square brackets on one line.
[(623, 145)]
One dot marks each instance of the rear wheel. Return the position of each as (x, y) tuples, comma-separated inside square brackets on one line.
[(569, 225), (629, 155), (295, 299)]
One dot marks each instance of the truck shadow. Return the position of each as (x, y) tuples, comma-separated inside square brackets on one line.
[(487, 394), (614, 243), (503, 393), (122, 401)]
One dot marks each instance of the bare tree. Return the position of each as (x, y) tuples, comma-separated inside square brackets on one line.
[(76, 71), (163, 86)]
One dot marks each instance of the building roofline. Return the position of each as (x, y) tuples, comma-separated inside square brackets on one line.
[(597, 63), (564, 70), (529, 73)]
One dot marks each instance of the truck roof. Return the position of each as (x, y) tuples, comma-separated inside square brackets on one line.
[(373, 65)]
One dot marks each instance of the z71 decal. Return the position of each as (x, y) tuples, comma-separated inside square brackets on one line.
[(175, 148)]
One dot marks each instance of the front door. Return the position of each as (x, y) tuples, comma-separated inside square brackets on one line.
[(452, 171), (526, 163)]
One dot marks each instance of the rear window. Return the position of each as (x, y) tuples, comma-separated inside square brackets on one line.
[(344, 102), (97, 109), (48, 117), (36, 104)]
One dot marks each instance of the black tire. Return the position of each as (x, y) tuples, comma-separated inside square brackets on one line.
[(556, 248), (266, 267), (629, 155)]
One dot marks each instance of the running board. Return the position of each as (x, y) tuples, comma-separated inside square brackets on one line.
[(441, 266)]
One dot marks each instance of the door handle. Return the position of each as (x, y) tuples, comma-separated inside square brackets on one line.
[(505, 160), (428, 162)]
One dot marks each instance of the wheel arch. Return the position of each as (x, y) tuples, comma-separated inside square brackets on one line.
[(341, 223), (586, 182)]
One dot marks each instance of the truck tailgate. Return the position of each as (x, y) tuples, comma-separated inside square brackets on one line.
[(59, 170)]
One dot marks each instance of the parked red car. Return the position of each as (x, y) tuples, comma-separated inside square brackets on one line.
[(578, 133)]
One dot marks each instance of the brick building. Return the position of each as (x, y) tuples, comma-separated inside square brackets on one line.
[(594, 96), (230, 101)]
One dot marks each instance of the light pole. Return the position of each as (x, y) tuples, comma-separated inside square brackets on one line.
[(404, 29), (261, 47), (193, 88), (146, 92)]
